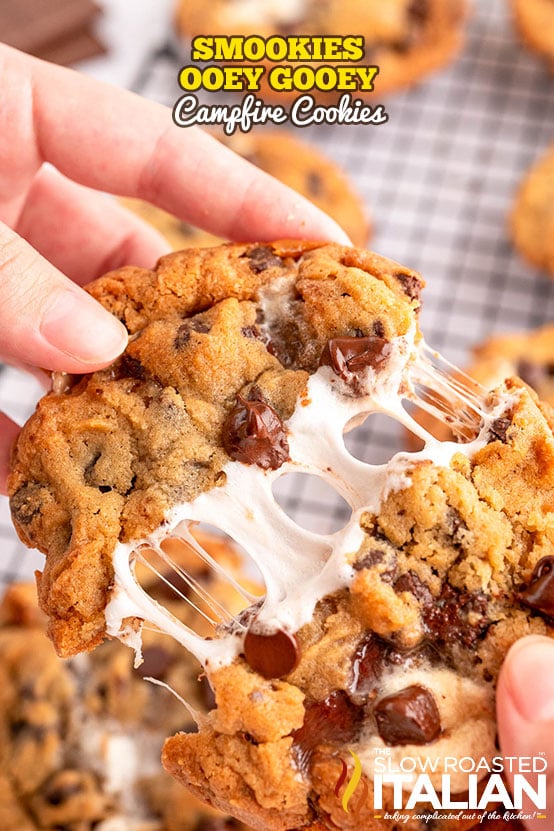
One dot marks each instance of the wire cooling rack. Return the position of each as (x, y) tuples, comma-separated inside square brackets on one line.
[(439, 180)]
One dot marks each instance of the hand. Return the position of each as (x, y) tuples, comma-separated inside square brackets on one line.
[(56, 228), (525, 704)]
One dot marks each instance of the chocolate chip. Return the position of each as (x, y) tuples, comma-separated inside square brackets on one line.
[(156, 663), (499, 429), (254, 434), (314, 183), (348, 356), (261, 258), (418, 11), (131, 368), (271, 655), (26, 503), (184, 331), (372, 558), (411, 285), (410, 716), (539, 595), (335, 720), (250, 332), (410, 582)]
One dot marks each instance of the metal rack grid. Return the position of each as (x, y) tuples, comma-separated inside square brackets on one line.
[(438, 179)]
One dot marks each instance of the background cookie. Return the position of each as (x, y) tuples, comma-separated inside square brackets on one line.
[(405, 39), (297, 164), (81, 739), (535, 22), (532, 219)]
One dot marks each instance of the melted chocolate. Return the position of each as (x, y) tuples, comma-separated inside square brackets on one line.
[(349, 356), (539, 595), (335, 720), (272, 655), (262, 257), (254, 434), (410, 716)]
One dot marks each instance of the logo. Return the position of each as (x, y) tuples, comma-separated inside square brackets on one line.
[(418, 788), (352, 784)]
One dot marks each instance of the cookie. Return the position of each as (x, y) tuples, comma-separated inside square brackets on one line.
[(96, 726), (247, 362), (295, 163), (535, 23), (532, 218), (406, 39)]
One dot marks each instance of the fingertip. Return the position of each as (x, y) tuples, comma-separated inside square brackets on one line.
[(527, 679)]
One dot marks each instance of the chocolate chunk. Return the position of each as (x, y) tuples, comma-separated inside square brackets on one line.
[(347, 356), (271, 655), (261, 258), (335, 720), (457, 616), (157, 661), (367, 667), (131, 368), (254, 434), (184, 331), (499, 429), (410, 582), (410, 716), (450, 617), (411, 286), (539, 595), (372, 558)]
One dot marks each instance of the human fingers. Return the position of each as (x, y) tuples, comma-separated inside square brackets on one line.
[(82, 232), (8, 434), (110, 139), (525, 706), (45, 319)]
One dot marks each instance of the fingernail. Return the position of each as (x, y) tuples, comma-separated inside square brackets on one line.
[(530, 669), (77, 325)]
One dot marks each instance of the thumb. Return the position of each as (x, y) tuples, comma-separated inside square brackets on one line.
[(45, 319), (525, 709)]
